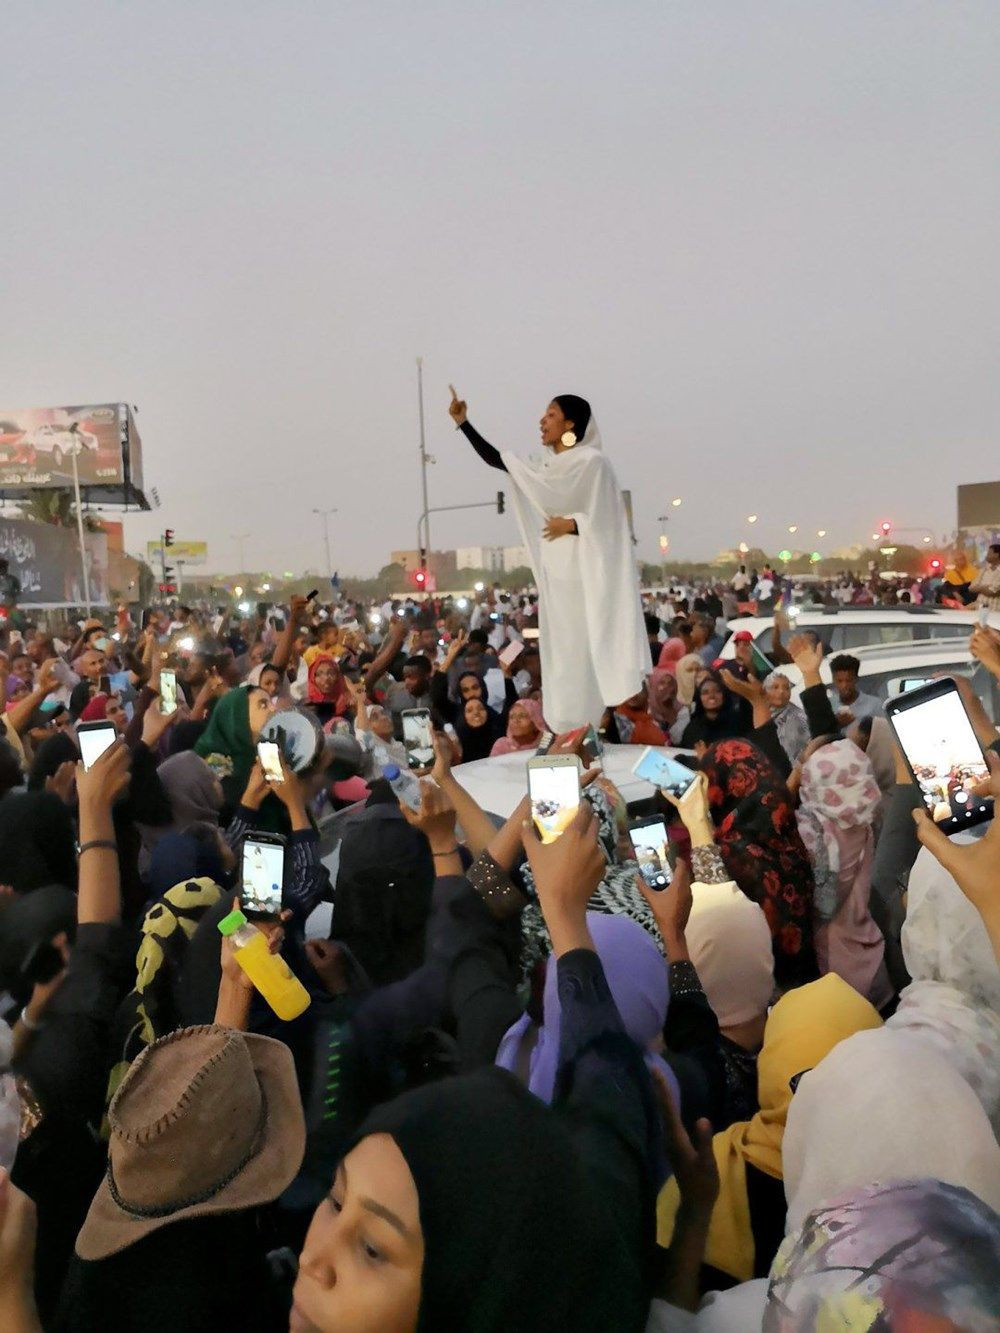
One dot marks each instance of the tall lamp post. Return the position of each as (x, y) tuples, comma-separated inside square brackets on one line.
[(325, 516), (240, 538)]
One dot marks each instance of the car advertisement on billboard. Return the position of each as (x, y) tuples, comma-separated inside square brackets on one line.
[(45, 447)]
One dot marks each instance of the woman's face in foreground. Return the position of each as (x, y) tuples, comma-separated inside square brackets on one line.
[(260, 711), (363, 1257)]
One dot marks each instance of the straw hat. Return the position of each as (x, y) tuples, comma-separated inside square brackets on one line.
[(207, 1120)]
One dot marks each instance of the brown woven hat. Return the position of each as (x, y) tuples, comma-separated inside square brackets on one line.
[(207, 1120)]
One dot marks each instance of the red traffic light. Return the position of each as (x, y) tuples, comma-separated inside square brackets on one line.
[(936, 565), (421, 577), (886, 529), (168, 537)]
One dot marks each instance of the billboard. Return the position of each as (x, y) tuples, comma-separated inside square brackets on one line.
[(45, 559), (39, 446), (979, 505), (184, 553)]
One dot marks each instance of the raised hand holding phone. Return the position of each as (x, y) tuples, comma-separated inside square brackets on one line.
[(567, 873)]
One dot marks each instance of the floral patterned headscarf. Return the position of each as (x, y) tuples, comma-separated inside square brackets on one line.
[(763, 851), (911, 1254)]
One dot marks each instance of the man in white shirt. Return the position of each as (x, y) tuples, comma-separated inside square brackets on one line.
[(849, 704), (740, 580)]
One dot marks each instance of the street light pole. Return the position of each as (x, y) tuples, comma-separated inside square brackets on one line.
[(423, 455), (325, 516), (79, 526)]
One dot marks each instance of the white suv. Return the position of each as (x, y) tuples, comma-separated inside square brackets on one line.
[(843, 629)]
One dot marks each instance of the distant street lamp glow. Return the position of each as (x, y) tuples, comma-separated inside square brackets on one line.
[(744, 548), (821, 533), (676, 503), (237, 591), (927, 541), (752, 518), (480, 586), (794, 528)]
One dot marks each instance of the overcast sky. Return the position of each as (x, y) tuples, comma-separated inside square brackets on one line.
[(760, 237)]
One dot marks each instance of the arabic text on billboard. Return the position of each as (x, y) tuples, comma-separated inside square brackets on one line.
[(38, 445), (45, 560), (185, 553)]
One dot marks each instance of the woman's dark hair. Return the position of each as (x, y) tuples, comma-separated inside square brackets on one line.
[(576, 410)]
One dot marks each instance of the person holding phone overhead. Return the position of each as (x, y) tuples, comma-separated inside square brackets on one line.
[(572, 517)]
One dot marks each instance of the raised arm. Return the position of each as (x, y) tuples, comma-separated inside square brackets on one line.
[(283, 652), (458, 411), (390, 647)]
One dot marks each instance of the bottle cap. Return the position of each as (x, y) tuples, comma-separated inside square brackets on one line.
[(230, 924), (390, 772)]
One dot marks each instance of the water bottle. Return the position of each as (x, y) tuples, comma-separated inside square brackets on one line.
[(405, 785)]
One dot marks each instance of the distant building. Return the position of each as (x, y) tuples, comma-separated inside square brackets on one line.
[(496, 559)]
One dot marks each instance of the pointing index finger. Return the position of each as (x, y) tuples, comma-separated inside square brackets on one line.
[(454, 395)]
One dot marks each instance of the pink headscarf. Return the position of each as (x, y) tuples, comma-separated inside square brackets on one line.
[(670, 654), (507, 744), (839, 801)]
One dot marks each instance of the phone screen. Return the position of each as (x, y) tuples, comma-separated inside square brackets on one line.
[(94, 740), (270, 760), (664, 772), (418, 737), (511, 653), (650, 844), (168, 691), (263, 875), (940, 746), (555, 797)]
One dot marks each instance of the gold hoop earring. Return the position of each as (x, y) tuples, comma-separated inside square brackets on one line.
[(568, 440)]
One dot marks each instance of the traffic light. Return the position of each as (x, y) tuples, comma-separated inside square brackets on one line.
[(168, 537), (886, 529), (168, 588), (500, 502), (935, 564), (420, 578)]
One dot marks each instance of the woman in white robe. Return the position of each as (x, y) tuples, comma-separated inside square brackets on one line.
[(592, 635)]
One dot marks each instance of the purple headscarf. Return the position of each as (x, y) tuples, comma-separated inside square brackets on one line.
[(637, 977)]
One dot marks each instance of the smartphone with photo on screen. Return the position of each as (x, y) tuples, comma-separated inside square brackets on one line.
[(270, 760), (943, 754), (418, 737), (168, 691), (94, 738), (554, 789), (664, 772), (652, 846), (263, 874)]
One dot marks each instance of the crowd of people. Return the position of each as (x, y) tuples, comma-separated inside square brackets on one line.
[(527, 1090)]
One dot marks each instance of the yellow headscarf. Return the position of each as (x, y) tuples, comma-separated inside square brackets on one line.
[(802, 1028)]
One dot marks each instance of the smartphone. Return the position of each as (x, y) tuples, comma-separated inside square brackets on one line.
[(311, 596), (593, 745), (554, 788), (263, 874), (913, 683), (270, 760), (511, 653), (418, 738), (545, 743), (983, 618), (104, 685), (943, 754), (168, 691), (529, 635), (94, 738), (651, 844), (657, 767)]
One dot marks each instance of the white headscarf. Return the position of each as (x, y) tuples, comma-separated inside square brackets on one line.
[(883, 1105), (953, 1001)]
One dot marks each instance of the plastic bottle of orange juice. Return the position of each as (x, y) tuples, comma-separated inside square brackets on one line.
[(268, 971)]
